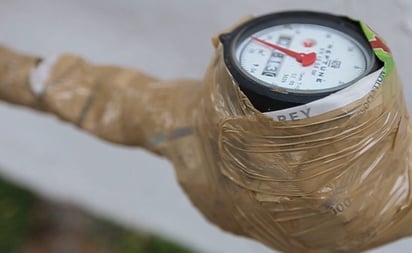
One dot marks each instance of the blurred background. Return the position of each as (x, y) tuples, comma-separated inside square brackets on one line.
[(166, 38)]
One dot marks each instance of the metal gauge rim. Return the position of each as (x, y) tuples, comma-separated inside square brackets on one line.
[(249, 84)]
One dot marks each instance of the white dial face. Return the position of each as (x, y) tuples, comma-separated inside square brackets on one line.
[(273, 58)]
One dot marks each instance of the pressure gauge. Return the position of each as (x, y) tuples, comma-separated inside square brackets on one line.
[(291, 58)]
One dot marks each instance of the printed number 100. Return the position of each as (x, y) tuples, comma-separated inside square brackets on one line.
[(340, 207)]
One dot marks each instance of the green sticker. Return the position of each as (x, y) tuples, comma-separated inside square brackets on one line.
[(380, 49)]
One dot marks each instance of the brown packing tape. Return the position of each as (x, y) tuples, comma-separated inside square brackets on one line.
[(14, 77), (321, 169), (101, 99), (296, 182), (335, 182)]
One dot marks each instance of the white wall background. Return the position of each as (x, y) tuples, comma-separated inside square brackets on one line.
[(167, 38)]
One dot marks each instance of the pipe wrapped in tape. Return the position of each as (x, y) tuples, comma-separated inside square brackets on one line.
[(333, 181)]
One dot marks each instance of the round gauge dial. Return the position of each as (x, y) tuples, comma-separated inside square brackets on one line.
[(292, 58), (339, 60)]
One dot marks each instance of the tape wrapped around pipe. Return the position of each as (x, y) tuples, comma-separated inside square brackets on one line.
[(334, 179)]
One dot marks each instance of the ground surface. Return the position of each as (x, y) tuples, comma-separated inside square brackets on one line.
[(30, 224)]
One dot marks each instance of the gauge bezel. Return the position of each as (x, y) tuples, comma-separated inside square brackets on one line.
[(276, 97)]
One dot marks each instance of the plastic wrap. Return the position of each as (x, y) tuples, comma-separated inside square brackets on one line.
[(337, 181)]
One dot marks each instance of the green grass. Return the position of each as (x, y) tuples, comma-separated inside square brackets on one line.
[(18, 225), (127, 241), (15, 205)]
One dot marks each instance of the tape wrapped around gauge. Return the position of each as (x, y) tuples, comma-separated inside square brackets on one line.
[(335, 179)]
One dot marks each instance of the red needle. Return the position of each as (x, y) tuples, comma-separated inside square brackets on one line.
[(306, 59)]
